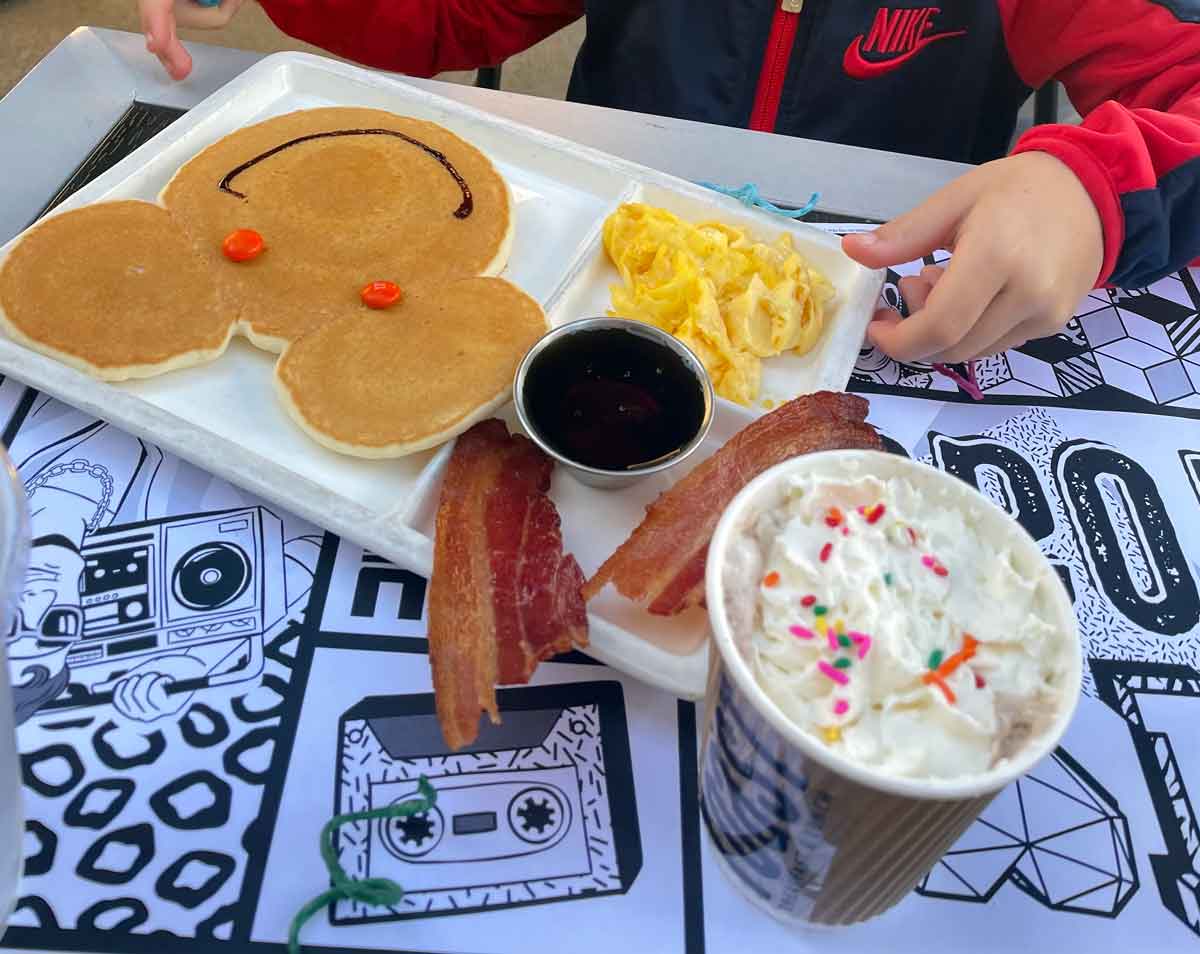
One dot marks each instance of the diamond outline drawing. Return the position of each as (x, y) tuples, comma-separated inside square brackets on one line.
[(1141, 343), (1056, 834), (1120, 685)]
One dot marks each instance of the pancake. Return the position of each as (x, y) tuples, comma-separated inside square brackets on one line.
[(365, 199), (342, 197), (389, 383), (115, 290)]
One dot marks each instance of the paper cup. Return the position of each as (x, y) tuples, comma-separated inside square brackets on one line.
[(806, 834)]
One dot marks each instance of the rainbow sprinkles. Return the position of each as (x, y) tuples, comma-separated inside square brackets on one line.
[(874, 639), (847, 646)]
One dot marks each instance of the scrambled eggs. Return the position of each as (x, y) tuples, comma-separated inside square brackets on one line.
[(732, 300)]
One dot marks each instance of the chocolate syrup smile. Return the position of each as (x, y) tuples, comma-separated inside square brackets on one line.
[(465, 208)]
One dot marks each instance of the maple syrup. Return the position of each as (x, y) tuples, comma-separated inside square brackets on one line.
[(614, 400)]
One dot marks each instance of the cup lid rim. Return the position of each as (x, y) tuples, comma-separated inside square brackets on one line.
[(738, 668)]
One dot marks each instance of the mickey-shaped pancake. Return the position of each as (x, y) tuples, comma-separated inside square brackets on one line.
[(113, 289), (286, 232)]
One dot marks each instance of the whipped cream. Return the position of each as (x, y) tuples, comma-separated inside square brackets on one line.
[(895, 632)]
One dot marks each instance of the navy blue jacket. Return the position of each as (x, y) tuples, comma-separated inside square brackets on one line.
[(941, 80)]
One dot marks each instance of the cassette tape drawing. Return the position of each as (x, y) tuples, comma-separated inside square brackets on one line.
[(540, 808)]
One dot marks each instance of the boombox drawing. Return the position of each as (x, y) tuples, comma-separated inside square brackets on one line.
[(540, 808), (209, 585)]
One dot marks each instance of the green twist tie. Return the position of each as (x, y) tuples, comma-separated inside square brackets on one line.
[(381, 892)]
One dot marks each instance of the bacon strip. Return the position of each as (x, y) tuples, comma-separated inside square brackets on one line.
[(662, 563), (538, 601), (502, 596)]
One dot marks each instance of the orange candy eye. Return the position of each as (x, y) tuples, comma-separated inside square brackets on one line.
[(242, 245), (381, 294)]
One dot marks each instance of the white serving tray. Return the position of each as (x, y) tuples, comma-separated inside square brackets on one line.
[(225, 417)]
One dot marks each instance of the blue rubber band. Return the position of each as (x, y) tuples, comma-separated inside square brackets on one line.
[(748, 195)]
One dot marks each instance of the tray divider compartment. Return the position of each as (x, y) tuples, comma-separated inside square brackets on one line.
[(585, 255), (564, 192)]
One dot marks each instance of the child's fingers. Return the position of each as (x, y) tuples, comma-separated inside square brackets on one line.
[(883, 316), (156, 16), (158, 23), (176, 59), (1026, 331), (931, 225), (915, 290), (1007, 311), (960, 296)]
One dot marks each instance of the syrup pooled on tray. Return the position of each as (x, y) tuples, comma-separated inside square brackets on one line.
[(613, 399)]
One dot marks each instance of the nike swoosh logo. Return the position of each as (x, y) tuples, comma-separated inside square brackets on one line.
[(859, 68)]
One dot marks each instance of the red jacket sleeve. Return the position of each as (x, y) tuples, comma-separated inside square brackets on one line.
[(1132, 69), (423, 37)]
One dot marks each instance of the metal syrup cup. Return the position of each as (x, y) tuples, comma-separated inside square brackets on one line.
[(599, 477)]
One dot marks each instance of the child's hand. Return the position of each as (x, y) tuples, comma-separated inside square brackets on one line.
[(160, 19), (1028, 246)]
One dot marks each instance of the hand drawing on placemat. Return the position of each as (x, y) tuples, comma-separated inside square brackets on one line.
[(539, 808), (1102, 518), (1129, 350), (150, 661), (1191, 466), (1114, 520), (137, 615), (1154, 698), (536, 824), (167, 607), (365, 594), (1057, 834)]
